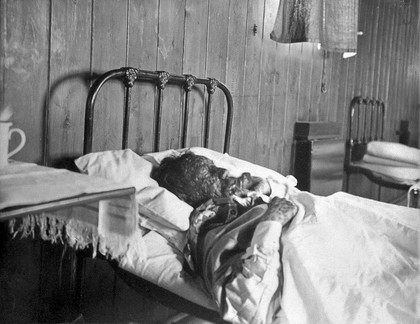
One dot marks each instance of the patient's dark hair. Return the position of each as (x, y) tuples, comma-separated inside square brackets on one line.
[(192, 178)]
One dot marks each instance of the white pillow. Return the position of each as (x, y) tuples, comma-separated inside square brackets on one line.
[(122, 166), (125, 166)]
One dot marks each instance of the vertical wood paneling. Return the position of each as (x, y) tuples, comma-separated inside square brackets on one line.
[(3, 36), (26, 52), (170, 52), (389, 52), (70, 27), (343, 93), (194, 62), (304, 103), (334, 87), (278, 122), (235, 67), (317, 57), (380, 43), (109, 52), (142, 53), (252, 79), (290, 117), (325, 86), (216, 63), (267, 86)]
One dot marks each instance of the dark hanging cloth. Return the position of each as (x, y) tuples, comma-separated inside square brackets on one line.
[(332, 23)]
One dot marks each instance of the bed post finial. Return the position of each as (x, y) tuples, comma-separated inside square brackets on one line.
[(211, 87), (189, 82), (163, 79), (130, 77)]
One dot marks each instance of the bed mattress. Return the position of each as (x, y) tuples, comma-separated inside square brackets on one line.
[(163, 267)]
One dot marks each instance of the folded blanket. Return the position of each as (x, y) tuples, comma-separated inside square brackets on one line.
[(394, 151), (402, 175), (372, 159)]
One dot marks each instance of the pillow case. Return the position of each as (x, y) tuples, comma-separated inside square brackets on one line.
[(158, 205)]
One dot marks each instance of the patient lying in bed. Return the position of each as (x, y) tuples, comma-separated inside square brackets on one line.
[(232, 246)]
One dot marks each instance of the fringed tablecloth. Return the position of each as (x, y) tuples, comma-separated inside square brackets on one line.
[(109, 225)]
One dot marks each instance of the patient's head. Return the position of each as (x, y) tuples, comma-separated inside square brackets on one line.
[(196, 179), (192, 178)]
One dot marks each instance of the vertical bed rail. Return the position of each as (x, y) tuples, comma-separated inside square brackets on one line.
[(366, 122), (128, 76)]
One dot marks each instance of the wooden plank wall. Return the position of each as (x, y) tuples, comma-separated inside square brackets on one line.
[(50, 50)]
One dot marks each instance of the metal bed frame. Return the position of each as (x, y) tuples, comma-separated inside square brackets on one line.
[(127, 77), (366, 122)]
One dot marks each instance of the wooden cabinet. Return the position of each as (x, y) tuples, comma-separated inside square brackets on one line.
[(318, 157)]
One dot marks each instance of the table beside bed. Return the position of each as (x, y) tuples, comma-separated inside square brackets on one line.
[(62, 206), (19, 177)]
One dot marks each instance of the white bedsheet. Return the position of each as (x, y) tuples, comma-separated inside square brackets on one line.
[(353, 261), (163, 267)]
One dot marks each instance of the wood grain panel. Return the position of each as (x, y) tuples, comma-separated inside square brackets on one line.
[(217, 45), (3, 35), (252, 81), (235, 67), (325, 88), (194, 62), (108, 52), (26, 52), (304, 103), (69, 74), (266, 87), (290, 117), (317, 58), (334, 86), (380, 43), (142, 53), (170, 52), (279, 122)]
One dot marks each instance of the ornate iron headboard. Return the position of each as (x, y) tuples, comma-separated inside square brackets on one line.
[(128, 76), (366, 123)]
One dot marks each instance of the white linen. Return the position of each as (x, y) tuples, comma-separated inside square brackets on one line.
[(353, 260), (163, 267), (156, 204), (345, 259), (109, 224), (28, 183), (372, 159), (394, 151), (396, 174)]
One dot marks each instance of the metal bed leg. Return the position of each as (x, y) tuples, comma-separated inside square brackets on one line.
[(379, 192), (413, 195)]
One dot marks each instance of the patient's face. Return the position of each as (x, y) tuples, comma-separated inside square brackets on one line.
[(195, 179)]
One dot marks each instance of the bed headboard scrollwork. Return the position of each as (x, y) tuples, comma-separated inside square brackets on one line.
[(366, 123), (128, 76)]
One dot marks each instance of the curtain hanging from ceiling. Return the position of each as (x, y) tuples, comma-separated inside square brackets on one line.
[(332, 23)]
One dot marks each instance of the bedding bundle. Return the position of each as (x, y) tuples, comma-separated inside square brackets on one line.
[(393, 161), (342, 259)]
